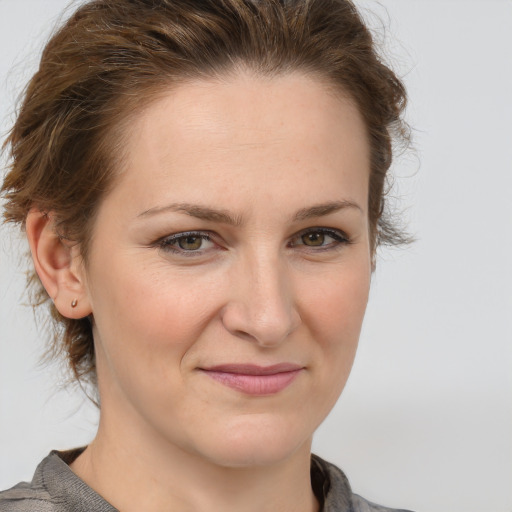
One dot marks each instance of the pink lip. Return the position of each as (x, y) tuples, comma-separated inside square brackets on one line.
[(255, 380)]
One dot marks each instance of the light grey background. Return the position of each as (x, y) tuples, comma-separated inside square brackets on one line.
[(426, 419)]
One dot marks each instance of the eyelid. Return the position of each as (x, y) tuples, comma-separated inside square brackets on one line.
[(166, 243), (337, 234)]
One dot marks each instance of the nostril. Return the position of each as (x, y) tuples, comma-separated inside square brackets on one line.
[(267, 329), (244, 335)]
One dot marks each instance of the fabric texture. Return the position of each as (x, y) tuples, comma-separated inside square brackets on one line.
[(55, 488)]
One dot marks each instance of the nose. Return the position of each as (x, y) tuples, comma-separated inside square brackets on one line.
[(261, 306)]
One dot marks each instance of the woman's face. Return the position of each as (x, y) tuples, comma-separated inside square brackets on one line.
[(229, 268)]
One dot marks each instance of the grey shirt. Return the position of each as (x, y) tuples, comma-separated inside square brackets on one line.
[(55, 488)]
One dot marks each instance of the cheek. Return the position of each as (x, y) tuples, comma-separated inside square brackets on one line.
[(335, 307), (148, 322), (332, 310), (143, 311), (335, 315)]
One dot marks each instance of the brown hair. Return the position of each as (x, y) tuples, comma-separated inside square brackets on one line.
[(112, 57)]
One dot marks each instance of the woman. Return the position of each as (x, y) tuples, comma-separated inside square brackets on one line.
[(201, 187)]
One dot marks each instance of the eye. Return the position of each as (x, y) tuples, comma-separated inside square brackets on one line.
[(313, 239), (187, 243), (323, 238), (190, 243)]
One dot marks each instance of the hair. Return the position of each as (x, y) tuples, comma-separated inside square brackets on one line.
[(113, 57)]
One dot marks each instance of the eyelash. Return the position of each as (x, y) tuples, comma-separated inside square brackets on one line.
[(169, 243), (339, 237)]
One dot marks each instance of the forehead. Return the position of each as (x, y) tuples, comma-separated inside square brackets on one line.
[(247, 131)]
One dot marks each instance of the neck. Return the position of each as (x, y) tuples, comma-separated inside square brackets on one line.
[(134, 470)]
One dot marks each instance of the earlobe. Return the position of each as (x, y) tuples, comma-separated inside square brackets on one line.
[(57, 264)]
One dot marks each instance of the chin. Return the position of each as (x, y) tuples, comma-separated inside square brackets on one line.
[(255, 443)]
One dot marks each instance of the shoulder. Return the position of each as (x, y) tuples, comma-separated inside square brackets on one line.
[(337, 494), (54, 488), (21, 498), (361, 505), (28, 497)]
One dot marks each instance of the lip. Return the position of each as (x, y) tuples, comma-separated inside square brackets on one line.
[(255, 380)]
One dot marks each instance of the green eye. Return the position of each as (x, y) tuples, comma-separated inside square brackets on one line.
[(190, 243), (313, 239)]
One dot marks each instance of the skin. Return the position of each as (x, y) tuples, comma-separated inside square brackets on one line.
[(266, 152)]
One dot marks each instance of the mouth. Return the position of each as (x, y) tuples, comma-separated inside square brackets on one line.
[(255, 380)]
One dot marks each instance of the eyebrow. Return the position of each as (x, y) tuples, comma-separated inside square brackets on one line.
[(323, 209), (224, 217), (197, 211)]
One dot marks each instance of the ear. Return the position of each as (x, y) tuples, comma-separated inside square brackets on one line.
[(58, 265)]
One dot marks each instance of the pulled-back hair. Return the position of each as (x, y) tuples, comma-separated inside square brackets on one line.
[(113, 57)]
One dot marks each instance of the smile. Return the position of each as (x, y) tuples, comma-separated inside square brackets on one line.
[(255, 380)]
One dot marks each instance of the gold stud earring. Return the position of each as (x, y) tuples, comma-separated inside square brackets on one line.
[(74, 303)]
